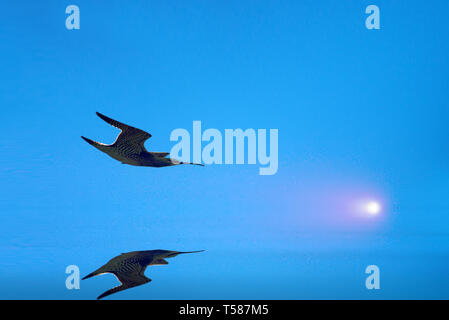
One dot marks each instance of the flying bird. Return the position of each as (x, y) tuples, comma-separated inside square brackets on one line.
[(129, 148), (129, 268)]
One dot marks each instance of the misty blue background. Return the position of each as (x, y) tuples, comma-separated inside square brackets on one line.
[(361, 114)]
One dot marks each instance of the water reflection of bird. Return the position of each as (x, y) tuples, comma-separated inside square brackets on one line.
[(129, 268), (129, 147)]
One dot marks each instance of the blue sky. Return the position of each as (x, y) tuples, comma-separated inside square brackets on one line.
[(361, 114)]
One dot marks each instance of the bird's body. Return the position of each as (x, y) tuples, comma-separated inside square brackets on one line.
[(129, 268), (129, 147)]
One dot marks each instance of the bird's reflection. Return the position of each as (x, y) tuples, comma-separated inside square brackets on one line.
[(129, 268)]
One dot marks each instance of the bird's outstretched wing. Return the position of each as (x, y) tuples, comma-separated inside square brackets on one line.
[(131, 140), (128, 280)]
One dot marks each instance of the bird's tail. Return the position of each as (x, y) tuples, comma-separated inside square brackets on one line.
[(195, 164), (175, 253), (181, 252)]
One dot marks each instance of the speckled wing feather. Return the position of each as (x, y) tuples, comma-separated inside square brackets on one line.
[(131, 140), (129, 273)]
